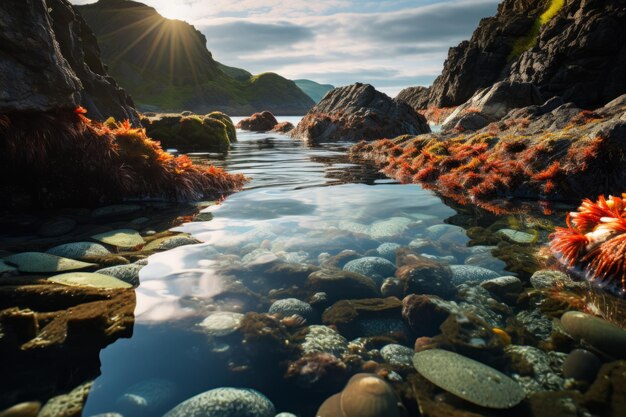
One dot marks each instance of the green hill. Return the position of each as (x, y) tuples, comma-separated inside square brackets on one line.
[(314, 90), (165, 65)]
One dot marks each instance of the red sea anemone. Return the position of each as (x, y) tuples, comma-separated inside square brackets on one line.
[(594, 241)]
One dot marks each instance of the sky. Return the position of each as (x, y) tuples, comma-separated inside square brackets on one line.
[(390, 44)]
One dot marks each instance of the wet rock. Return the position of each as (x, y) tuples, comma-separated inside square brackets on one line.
[(535, 323), (535, 369), (467, 273), (425, 276), (69, 405), (561, 403), (7, 270), (389, 228), (37, 262), (225, 402), (323, 339), (340, 260), (506, 288), (601, 334), (471, 335), (290, 306), (345, 313), (398, 355), (471, 121), (468, 379), (122, 238), (127, 273), (79, 250), (392, 287), (338, 284), (517, 236), (436, 231), (373, 267), (426, 313), (315, 370), (28, 409), (607, 395), (283, 127), (581, 365), (89, 279), (221, 323), (146, 397), (171, 242), (385, 326), (357, 112), (548, 279), (388, 251), (478, 301), (259, 122)]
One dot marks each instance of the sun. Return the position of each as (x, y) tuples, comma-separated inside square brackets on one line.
[(172, 10)]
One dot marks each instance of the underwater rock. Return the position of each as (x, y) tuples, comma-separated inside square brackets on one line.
[(549, 279), (290, 306), (122, 238), (471, 335), (115, 210), (517, 236), (478, 301), (581, 365), (323, 339), (607, 395), (426, 313), (392, 287), (384, 326), (7, 270), (57, 227), (388, 251), (221, 323), (468, 379), (535, 369), (37, 262), (436, 231), (601, 334), (535, 323), (89, 279), (79, 250), (28, 409), (466, 273), (339, 260), (559, 403), (258, 122), (225, 402), (146, 397), (371, 266), (317, 369), (170, 242), (365, 395), (506, 288), (389, 228), (338, 284), (398, 355), (127, 273), (426, 276), (68, 405), (346, 313)]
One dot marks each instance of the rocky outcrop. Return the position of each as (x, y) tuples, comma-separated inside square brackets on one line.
[(358, 112), (183, 74), (416, 97), (49, 61), (573, 50), (258, 122)]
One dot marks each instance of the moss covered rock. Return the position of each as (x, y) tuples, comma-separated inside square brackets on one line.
[(209, 133)]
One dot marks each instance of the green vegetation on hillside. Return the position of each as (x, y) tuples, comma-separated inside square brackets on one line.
[(314, 90), (234, 72), (530, 40)]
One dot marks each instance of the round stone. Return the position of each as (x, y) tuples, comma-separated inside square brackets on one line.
[(221, 323), (371, 266), (468, 379), (597, 332), (225, 402), (290, 306)]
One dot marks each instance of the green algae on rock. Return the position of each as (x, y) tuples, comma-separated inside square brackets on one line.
[(89, 279), (38, 262), (468, 379)]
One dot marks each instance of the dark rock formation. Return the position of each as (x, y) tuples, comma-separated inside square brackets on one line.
[(183, 74), (258, 122), (358, 112), (416, 97), (49, 61), (283, 127), (577, 53)]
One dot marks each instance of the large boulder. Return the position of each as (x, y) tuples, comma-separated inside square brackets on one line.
[(203, 133), (496, 102), (358, 112), (49, 60), (416, 97), (259, 122)]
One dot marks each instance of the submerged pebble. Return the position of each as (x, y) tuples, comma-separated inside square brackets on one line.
[(290, 306), (466, 273), (225, 402), (373, 267), (397, 354), (221, 323), (323, 339), (598, 332), (581, 365)]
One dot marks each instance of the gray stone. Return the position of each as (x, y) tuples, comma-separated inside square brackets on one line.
[(397, 355), (79, 250), (127, 273), (323, 339), (290, 306), (388, 251), (503, 286), (598, 332), (373, 267), (225, 402), (466, 273)]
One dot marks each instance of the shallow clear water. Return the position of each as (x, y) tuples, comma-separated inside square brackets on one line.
[(302, 204)]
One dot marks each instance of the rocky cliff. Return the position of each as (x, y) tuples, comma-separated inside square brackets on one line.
[(570, 48), (165, 65), (358, 112), (50, 61)]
